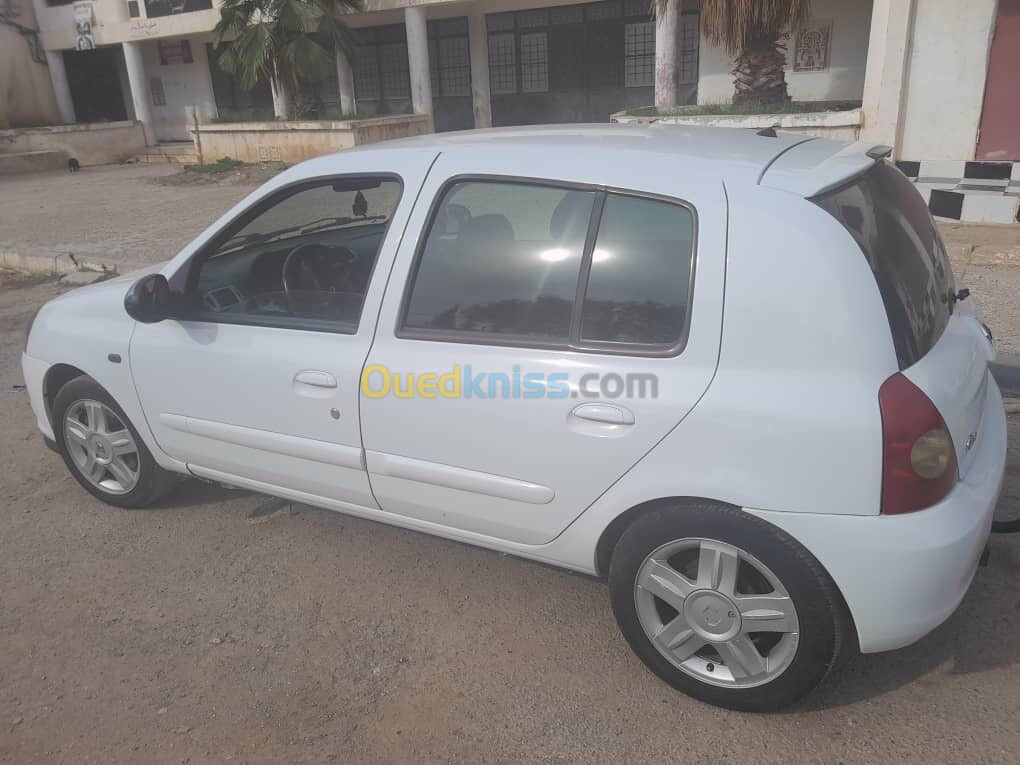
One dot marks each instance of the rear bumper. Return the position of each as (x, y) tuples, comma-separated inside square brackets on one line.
[(34, 371), (903, 575)]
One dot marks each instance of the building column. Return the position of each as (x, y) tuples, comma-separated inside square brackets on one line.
[(62, 91), (885, 75), (139, 89), (418, 60), (345, 83), (478, 42), (667, 23)]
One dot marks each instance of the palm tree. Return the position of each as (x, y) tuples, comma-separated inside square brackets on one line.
[(750, 31), (289, 42)]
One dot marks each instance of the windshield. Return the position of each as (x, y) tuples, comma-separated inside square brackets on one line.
[(890, 221)]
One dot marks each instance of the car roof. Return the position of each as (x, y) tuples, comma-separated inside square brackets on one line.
[(793, 162)]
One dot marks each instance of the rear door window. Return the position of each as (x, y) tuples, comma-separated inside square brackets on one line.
[(890, 221), (524, 263)]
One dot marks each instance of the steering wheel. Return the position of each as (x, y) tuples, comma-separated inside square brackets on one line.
[(293, 261)]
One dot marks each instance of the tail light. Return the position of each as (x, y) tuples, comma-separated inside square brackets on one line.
[(918, 456)]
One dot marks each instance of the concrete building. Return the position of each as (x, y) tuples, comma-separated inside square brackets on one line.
[(26, 95), (936, 77)]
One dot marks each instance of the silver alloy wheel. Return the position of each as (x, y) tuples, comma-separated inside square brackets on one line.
[(716, 612), (101, 446)]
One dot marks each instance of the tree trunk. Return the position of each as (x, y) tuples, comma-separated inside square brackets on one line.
[(282, 107), (759, 74)]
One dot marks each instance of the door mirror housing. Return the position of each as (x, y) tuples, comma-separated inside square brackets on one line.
[(148, 300)]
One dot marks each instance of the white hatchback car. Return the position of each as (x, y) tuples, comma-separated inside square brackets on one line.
[(729, 371)]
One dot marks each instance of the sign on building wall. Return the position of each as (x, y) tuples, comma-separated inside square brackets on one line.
[(175, 52), (84, 17), (811, 51)]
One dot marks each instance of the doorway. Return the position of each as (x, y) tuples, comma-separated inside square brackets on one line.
[(93, 78)]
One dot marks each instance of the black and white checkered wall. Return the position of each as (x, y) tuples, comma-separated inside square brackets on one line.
[(976, 192)]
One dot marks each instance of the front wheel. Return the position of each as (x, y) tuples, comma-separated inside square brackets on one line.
[(726, 607), (103, 450)]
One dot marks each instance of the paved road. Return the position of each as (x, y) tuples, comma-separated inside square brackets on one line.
[(215, 628)]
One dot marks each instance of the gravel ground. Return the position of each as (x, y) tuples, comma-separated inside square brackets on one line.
[(221, 627)]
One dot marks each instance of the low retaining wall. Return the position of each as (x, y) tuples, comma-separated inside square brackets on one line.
[(294, 141), (94, 143), (837, 125)]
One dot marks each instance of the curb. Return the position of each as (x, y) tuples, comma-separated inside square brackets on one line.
[(56, 264), (1006, 372)]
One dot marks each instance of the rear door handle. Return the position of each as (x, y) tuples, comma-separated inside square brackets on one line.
[(316, 379), (609, 413)]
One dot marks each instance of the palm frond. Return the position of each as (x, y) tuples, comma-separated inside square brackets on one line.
[(733, 24)]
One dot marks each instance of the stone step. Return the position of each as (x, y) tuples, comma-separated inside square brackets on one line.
[(182, 153), (32, 161)]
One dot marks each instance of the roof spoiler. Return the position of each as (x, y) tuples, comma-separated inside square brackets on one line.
[(816, 166)]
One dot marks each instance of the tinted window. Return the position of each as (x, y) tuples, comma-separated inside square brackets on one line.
[(892, 225), (304, 259), (501, 259), (640, 273)]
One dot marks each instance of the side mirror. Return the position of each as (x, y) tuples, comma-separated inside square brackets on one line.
[(148, 300)]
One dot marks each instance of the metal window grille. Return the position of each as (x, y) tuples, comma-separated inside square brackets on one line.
[(393, 73), (535, 62), (454, 66), (687, 64), (532, 19), (566, 14), (366, 73), (636, 7), (500, 22), (639, 54), (603, 11), (502, 63)]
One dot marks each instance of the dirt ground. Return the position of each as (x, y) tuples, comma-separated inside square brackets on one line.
[(220, 627)]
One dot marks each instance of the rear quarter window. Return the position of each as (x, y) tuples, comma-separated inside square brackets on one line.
[(890, 222)]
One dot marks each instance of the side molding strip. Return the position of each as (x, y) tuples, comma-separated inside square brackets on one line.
[(267, 441), (461, 479)]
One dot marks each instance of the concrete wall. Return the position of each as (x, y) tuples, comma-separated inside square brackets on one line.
[(842, 81), (945, 82), (838, 126), (91, 144), (26, 94), (294, 141), (184, 85), (113, 25)]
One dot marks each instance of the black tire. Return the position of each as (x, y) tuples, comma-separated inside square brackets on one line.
[(153, 481), (1006, 527), (824, 625)]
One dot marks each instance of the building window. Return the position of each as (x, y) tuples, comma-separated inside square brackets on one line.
[(393, 70), (502, 64), (156, 8), (380, 64), (639, 54), (449, 59), (687, 64), (535, 62)]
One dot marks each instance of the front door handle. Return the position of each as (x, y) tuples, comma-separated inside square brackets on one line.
[(315, 378), (608, 413)]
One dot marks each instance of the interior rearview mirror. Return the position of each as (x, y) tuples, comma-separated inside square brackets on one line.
[(148, 300)]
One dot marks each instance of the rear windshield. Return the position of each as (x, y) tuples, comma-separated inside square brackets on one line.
[(890, 221)]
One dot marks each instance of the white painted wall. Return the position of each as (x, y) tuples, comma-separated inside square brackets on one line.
[(945, 87), (843, 80), (184, 85)]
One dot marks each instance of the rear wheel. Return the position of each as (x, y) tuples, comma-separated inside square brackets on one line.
[(103, 450), (726, 607)]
